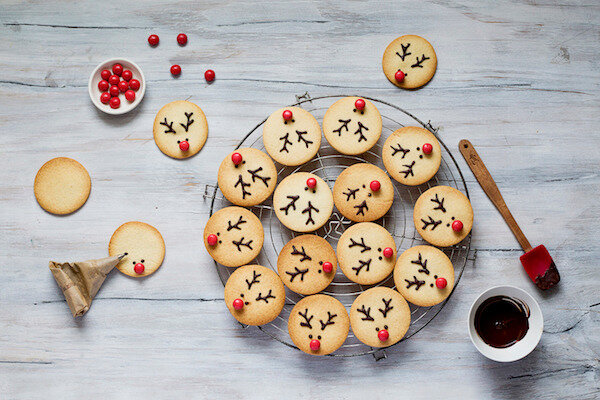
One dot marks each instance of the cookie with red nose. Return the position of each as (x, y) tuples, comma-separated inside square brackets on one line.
[(318, 324), (409, 62), (180, 129), (254, 295), (380, 317), (143, 246)]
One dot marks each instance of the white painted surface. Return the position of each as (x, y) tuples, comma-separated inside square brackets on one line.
[(520, 79)]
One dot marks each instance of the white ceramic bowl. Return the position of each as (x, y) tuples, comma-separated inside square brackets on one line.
[(126, 106), (524, 346)]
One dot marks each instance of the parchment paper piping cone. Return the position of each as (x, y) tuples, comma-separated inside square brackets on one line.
[(80, 281)]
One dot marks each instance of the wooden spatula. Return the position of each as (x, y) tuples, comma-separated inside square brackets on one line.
[(537, 261)]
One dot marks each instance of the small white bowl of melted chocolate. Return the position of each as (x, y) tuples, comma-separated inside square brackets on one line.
[(505, 323)]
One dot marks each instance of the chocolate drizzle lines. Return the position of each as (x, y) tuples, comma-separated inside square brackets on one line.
[(306, 322), (345, 123), (266, 298), (255, 276), (422, 263), (409, 170), (404, 53), (309, 210), (285, 138), (440, 203), (190, 121), (241, 243), (362, 244), (329, 321), (415, 282), (430, 222), (255, 175), (387, 307), (236, 225), (351, 192), (300, 272), (363, 264), (360, 132), (302, 254), (243, 186), (366, 312), (168, 125), (419, 63), (361, 208), (301, 138), (399, 149), (292, 204)]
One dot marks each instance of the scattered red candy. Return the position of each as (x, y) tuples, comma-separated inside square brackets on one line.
[(182, 39), (113, 80), (209, 75), (123, 86), (127, 75), (238, 304), (105, 74), (287, 115), (114, 90), (327, 267), (457, 226), (115, 102), (175, 69), (212, 239), (117, 69), (383, 335), (184, 146), (315, 345), (427, 148), (130, 95), (311, 183), (359, 104), (375, 185), (134, 84), (139, 268), (399, 76), (105, 98), (441, 283), (388, 252), (153, 40), (236, 158), (103, 85)]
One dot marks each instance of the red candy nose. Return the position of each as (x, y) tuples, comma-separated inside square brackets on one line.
[(427, 148), (236, 158), (457, 226), (287, 115), (383, 335), (399, 76), (212, 239), (388, 252), (184, 146), (139, 268), (238, 304), (441, 283), (315, 345), (375, 185), (359, 104), (311, 183), (327, 267)]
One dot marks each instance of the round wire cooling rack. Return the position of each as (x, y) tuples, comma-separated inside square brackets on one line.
[(328, 164)]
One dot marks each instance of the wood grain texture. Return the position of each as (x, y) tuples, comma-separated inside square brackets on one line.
[(520, 79)]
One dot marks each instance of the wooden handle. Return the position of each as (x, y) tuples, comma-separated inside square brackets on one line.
[(489, 187)]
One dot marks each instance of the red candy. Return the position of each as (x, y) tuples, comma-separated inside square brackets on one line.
[(212, 239), (127, 75), (327, 267), (457, 226), (399, 75), (182, 39), (175, 69), (113, 80), (105, 98), (115, 102), (114, 90), (238, 304), (139, 268), (134, 84), (388, 252), (383, 335), (117, 69), (311, 183), (209, 75), (441, 283), (427, 148), (123, 86), (236, 158), (184, 146), (375, 185), (105, 74), (287, 115), (315, 345), (153, 40), (359, 104), (103, 85), (130, 95)]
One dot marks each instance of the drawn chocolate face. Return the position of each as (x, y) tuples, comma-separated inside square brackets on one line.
[(424, 277), (442, 216), (256, 292), (377, 316), (314, 329)]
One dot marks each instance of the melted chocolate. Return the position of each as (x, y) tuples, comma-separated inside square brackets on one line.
[(501, 321), (550, 278)]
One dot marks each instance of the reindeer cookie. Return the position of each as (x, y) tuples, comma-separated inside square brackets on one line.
[(409, 62), (233, 236), (180, 129), (424, 275), (307, 264), (352, 125), (366, 253), (254, 295), (363, 192), (292, 136), (143, 246), (443, 216), (303, 202), (247, 177), (318, 324), (380, 317), (412, 155)]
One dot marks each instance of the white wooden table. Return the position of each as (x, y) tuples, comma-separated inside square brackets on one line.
[(520, 79)]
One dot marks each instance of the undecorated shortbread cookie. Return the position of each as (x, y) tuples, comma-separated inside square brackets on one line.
[(180, 129), (62, 186), (254, 295), (143, 246), (409, 62)]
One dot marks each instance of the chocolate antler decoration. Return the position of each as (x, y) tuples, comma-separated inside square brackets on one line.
[(266, 298), (351, 192), (301, 138), (255, 175), (285, 138), (362, 265), (189, 121), (309, 210), (236, 225), (409, 170), (300, 272), (169, 126), (244, 185), (330, 318), (404, 53), (241, 243), (366, 312), (360, 132), (387, 307), (430, 222), (415, 282), (345, 123), (302, 254), (255, 276), (291, 204), (399, 149), (361, 244), (440, 204), (306, 322), (361, 208), (422, 263), (419, 63)]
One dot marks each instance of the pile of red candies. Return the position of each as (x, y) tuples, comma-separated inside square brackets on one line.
[(119, 81)]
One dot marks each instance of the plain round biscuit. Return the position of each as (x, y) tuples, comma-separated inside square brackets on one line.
[(240, 236), (352, 139), (258, 177), (435, 225), (354, 198), (327, 318), (404, 158), (360, 253), (261, 290), (292, 142), (62, 186), (300, 208), (380, 308), (415, 274), (415, 76), (141, 243), (300, 264), (177, 120)]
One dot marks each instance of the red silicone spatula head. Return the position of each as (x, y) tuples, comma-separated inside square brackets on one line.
[(540, 267)]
